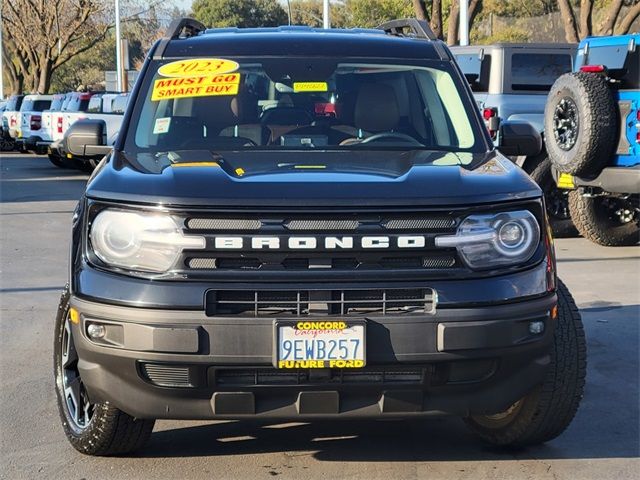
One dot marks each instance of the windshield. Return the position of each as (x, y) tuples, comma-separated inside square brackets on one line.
[(300, 103), (57, 102), (31, 105)]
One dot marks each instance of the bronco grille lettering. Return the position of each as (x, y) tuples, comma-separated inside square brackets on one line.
[(312, 243)]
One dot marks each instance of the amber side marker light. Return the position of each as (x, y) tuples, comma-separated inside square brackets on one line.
[(554, 312), (74, 316)]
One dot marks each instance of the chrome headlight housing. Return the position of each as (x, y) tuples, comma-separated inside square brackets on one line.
[(138, 241), (494, 240)]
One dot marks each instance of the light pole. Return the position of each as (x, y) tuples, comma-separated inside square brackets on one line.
[(289, 11), (118, 50), (326, 19), (464, 22)]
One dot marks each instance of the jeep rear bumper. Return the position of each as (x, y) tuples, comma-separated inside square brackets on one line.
[(610, 179), (185, 365)]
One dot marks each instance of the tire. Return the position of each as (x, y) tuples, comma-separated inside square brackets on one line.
[(6, 145), (548, 410), (580, 123), (103, 429), (56, 160), (556, 200), (596, 219)]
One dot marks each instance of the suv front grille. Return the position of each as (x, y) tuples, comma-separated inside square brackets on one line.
[(320, 229), (352, 302)]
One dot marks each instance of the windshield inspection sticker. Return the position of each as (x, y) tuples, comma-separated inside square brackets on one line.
[(310, 87), (161, 125), (198, 67), (168, 88)]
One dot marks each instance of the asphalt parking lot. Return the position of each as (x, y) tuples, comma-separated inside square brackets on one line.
[(603, 442)]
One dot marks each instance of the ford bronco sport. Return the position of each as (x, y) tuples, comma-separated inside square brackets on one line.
[(592, 125), (303, 224)]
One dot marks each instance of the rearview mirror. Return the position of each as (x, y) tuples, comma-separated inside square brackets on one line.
[(519, 138), (86, 138)]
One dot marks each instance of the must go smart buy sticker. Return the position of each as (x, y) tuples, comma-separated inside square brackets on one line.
[(169, 88)]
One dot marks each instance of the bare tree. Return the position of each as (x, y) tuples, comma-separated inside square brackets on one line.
[(629, 18), (43, 35), (436, 18), (575, 31), (420, 9)]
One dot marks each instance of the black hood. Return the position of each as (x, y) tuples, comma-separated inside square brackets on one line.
[(315, 179)]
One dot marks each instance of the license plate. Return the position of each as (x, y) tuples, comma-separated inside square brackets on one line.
[(320, 344), (566, 181)]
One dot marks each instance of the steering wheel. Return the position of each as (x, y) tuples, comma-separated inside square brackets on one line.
[(398, 135)]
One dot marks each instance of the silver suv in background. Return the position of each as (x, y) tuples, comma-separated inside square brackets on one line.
[(511, 82)]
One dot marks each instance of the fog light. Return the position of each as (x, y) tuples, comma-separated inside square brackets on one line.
[(96, 331), (536, 327)]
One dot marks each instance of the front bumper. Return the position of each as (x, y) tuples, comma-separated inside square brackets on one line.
[(186, 365)]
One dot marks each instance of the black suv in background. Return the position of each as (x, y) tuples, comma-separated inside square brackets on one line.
[(311, 224)]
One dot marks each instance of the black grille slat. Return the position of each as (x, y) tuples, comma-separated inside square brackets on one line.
[(436, 223), (265, 303), (223, 224), (275, 377), (322, 225), (167, 375)]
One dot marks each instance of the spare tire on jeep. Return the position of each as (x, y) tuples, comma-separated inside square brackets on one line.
[(580, 123)]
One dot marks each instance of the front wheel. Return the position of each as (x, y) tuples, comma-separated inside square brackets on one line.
[(605, 220), (92, 428), (548, 410)]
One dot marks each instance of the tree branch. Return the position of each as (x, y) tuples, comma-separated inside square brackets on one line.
[(586, 10), (629, 18), (569, 20)]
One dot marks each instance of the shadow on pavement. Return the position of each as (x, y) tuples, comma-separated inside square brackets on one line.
[(34, 179)]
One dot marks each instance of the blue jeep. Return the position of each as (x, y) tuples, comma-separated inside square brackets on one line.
[(510, 81), (592, 131)]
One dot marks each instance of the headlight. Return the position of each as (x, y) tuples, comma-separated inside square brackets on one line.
[(499, 239), (139, 241)]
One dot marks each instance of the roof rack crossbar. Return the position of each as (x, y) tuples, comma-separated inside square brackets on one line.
[(417, 28), (184, 28), (178, 28)]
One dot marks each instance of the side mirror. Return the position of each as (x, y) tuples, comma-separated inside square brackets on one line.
[(87, 138), (519, 138)]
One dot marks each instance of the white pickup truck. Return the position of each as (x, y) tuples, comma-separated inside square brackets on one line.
[(29, 130), (50, 123), (105, 107), (10, 117)]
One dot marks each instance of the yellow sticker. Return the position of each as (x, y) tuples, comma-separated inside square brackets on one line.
[(194, 164), (565, 181), (168, 88), (198, 67), (310, 87)]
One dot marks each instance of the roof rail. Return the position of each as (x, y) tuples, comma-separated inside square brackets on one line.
[(417, 28), (178, 28)]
